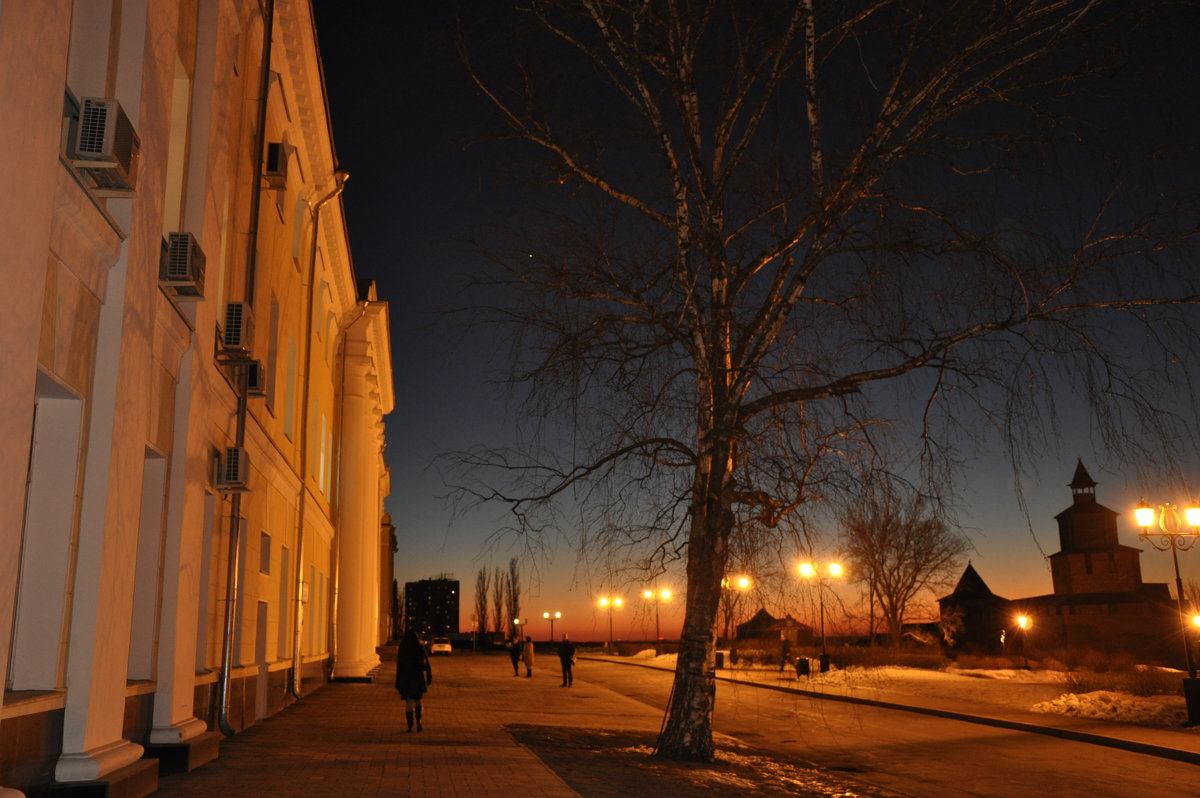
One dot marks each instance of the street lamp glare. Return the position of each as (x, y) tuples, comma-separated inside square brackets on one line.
[(666, 594), (1143, 514), (835, 569), (1196, 620), (1023, 621), (1192, 516), (647, 594), (617, 602), (808, 570), (743, 582)]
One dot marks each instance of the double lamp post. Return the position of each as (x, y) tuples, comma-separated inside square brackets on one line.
[(1176, 534)]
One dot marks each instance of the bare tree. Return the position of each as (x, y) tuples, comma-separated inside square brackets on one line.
[(512, 591), (774, 230), (900, 548), (500, 605), (482, 580)]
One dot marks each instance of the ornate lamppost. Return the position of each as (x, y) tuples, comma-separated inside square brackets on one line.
[(610, 603), (552, 617), (822, 572), (1024, 623), (732, 589), (1177, 535), (657, 596)]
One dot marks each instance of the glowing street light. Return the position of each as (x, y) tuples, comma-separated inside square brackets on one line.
[(734, 587), (610, 603), (552, 617), (1171, 534), (1024, 622), (832, 570), (657, 596)]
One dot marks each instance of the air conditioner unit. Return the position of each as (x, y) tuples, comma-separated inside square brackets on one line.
[(256, 379), (106, 147), (275, 168), (233, 470), (237, 335), (182, 266)]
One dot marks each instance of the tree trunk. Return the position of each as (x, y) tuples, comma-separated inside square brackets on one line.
[(688, 732)]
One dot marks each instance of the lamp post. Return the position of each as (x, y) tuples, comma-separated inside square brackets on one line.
[(517, 628), (1024, 622), (657, 596), (552, 617), (610, 603), (832, 570), (1172, 535), (735, 587)]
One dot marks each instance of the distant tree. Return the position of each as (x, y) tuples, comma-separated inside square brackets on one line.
[(512, 591), (482, 580), (500, 605), (898, 546), (773, 223)]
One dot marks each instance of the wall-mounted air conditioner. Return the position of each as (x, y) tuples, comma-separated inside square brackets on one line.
[(181, 268), (233, 470), (256, 379), (275, 167), (106, 147), (236, 335)]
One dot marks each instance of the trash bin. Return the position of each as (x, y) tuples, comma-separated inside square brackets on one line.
[(720, 659), (802, 666), (824, 663)]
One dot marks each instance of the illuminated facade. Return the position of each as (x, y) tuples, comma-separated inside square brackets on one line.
[(191, 434)]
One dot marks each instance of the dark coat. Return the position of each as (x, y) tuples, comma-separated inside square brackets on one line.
[(412, 670), (566, 652)]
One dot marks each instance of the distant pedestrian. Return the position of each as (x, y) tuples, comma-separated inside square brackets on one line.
[(413, 676), (566, 656), (514, 654), (527, 655), (785, 654)]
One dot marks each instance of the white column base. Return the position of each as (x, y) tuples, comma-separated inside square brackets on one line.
[(91, 765), (356, 670), (179, 732)]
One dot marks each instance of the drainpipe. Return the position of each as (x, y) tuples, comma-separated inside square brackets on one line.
[(235, 509), (340, 177)]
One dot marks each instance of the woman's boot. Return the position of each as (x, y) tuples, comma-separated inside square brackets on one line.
[(408, 715)]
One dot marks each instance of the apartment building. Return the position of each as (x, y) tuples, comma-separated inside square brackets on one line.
[(195, 379)]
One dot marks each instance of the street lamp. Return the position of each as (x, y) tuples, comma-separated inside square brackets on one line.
[(552, 617), (611, 603), (832, 570), (1172, 535), (734, 586), (657, 596), (1024, 622)]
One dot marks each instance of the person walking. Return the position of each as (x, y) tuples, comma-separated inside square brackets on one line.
[(514, 654), (527, 655), (413, 676), (566, 657)]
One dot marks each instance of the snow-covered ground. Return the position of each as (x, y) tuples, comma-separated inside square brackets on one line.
[(1032, 690)]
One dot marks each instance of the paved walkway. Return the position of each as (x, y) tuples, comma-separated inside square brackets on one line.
[(349, 740)]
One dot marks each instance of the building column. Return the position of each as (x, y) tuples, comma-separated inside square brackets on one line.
[(358, 521), (175, 671)]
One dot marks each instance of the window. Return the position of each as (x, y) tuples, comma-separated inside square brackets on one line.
[(264, 553)]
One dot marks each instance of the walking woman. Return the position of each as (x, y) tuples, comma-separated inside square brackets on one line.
[(527, 655), (413, 675)]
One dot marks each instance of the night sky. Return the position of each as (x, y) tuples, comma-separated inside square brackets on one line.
[(403, 113)]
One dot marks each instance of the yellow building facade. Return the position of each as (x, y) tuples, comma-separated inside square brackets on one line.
[(191, 420)]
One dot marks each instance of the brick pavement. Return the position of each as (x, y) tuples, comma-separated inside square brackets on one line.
[(349, 740)]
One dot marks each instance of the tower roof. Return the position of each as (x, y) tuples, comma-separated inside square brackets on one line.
[(1082, 479)]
